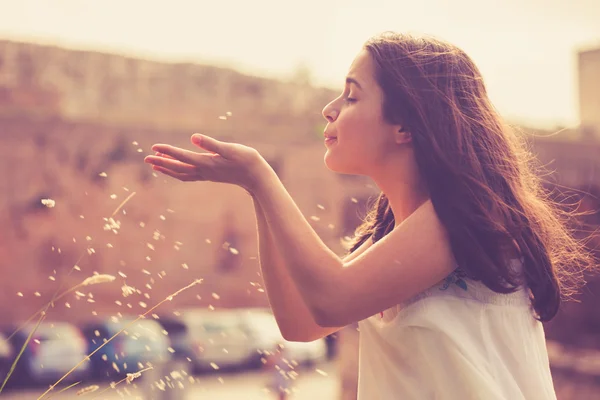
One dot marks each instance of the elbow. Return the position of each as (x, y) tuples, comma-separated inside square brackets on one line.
[(296, 336), (326, 318)]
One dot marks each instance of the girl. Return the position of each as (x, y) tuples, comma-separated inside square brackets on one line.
[(458, 263)]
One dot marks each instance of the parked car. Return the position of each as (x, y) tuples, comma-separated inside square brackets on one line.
[(211, 339), (140, 345), (178, 335), (54, 349), (264, 334), (6, 355)]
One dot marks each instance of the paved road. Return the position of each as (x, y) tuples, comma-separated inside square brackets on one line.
[(311, 384)]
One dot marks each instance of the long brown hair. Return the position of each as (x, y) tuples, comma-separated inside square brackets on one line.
[(479, 173)]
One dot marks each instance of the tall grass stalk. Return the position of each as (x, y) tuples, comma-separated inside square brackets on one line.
[(168, 298)]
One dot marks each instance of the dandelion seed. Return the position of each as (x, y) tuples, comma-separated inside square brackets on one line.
[(111, 225), (214, 366), (234, 251), (222, 117), (77, 268), (142, 224), (103, 174), (19, 294), (185, 266), (88, 238), (142, 304), (216, 296), (353, 199), (113, 196), (229, 113), (102, 278), (116, 367), (52, 278), (315, 218), (148, 258), (48, 203), (37, 294), (122, 275), (118, 302), (110, 246), (81, 216), (67, 304), (135, 143), (321, 372), (171, 350), (176, 375), (132, 376), (37, 341), (331, 226), (208, 241), (127, 290), (150, 246), (88, 389)]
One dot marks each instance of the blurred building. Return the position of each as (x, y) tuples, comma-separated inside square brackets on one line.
[(589, 92), (75, 127)]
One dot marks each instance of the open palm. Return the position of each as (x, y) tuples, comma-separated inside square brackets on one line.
[(231, 163)]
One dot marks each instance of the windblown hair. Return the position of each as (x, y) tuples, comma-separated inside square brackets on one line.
[(479, 173)]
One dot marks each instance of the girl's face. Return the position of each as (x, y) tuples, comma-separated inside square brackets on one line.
[(361, 141)]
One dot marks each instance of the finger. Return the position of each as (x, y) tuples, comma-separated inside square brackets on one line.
[(210, 144), (186, 156), (177, 175), (170, 163), (158, 154)]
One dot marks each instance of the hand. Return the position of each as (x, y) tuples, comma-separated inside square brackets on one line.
[(225, 162)]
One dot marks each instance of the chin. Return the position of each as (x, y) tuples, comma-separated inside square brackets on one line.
[(341, 167)]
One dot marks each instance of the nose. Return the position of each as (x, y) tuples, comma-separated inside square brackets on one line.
[(329, 112)]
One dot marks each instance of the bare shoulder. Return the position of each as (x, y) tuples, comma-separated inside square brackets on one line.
[(410, 259)]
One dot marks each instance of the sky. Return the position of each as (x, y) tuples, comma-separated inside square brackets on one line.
[(525, 49)]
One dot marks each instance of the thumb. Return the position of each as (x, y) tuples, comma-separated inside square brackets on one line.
[(209, 144)]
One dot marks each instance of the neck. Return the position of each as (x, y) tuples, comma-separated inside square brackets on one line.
[(403, 187)]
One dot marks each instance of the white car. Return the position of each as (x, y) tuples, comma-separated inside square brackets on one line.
[(215, 339), (264, 334)]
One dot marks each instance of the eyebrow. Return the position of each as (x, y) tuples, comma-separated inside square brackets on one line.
[(352, 80)]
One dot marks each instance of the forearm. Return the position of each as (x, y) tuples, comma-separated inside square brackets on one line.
[(312, 266), (293, 316)]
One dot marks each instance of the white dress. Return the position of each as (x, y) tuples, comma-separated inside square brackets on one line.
[(456, 341)]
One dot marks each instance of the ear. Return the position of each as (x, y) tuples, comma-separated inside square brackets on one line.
[(402, 136)]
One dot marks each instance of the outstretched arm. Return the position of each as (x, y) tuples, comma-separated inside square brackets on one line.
[(412, 258), (293, 316)]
